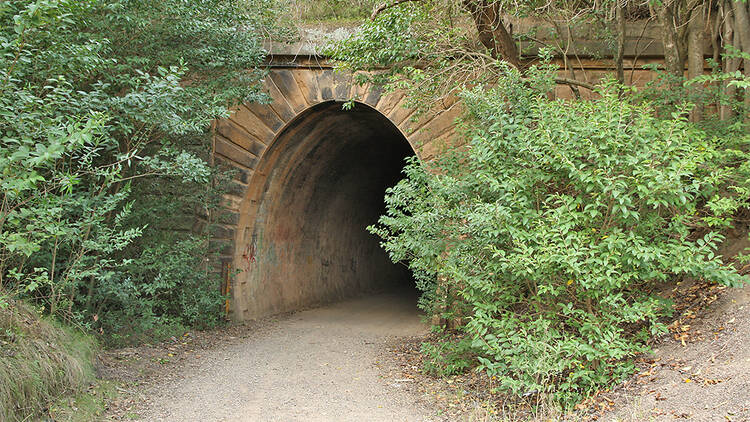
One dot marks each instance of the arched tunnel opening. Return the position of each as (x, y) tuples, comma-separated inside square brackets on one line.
[(322, 182)]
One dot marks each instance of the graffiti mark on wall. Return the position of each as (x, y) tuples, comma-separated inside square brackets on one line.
[(248, 255)]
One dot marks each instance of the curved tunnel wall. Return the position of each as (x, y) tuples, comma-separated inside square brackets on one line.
[(325, 178), (310, 178)]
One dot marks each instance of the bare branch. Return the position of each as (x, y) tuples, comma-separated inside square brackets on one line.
[(568, 81)]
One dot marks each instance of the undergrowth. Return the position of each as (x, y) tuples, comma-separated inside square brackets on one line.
[(86, 406), (545, 238), (40, 360), (448, 354)]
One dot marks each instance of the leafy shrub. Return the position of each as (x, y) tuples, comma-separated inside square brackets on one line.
[(159, 294), (105, 109), (448, 356), (556, 222)]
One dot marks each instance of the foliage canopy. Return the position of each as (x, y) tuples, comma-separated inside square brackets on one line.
[(105, 107), (549, 233)]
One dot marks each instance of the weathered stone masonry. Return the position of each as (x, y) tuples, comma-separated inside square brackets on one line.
[(311, 178)]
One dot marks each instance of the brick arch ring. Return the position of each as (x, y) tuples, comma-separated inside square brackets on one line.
[(300, 162)]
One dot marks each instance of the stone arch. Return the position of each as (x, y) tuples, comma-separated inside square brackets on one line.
[(305, 106)]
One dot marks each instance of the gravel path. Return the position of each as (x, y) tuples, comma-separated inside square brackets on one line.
[(316, 365)]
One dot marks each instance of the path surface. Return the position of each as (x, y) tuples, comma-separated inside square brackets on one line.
[(316, 365)]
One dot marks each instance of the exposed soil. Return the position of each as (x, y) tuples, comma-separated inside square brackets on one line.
[(700, 372)]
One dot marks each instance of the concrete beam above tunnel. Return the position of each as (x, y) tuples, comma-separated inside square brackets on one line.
[(310, 177)]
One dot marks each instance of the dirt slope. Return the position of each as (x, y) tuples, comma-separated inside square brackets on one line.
[(706, 378)]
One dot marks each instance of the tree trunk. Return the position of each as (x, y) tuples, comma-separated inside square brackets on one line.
[(729, 65), (695, 56), (492, 32), (620, 53), (742, 28), (674, 60)]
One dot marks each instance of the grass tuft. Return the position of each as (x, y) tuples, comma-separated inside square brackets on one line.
[(40, 360)]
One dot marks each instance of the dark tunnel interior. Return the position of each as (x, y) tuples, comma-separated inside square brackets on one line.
[(326, 176)]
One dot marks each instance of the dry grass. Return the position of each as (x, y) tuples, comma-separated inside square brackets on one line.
[(540, 410), (39, 362), (318, 11)]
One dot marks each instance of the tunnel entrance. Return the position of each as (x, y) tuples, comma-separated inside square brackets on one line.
[(319, 185)]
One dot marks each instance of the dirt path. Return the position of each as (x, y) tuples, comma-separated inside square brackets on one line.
[(316, 365), (359, 361)]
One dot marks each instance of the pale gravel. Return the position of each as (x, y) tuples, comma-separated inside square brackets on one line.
[(315, 365)]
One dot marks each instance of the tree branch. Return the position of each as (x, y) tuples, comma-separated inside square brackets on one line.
[(568, 81), (384, 6)]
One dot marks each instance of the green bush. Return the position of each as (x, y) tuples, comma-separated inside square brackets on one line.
[(105, 107), (159, 294), (447, 356), (556, 222)]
